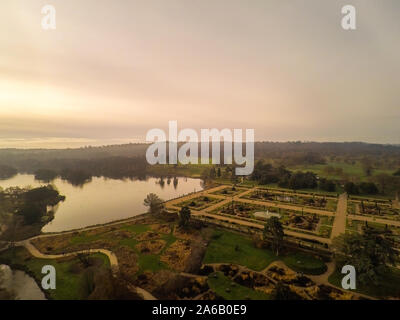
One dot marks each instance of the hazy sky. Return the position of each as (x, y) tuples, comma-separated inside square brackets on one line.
[(113, 69)]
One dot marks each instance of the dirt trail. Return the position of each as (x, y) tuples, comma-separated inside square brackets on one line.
[(37, 254), (111, 256), (339, 225)]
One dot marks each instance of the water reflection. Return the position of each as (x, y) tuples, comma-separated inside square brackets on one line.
[(17, 285), (103, 200)]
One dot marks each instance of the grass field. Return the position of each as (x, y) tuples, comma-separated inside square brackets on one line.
[(224, 287), (190, 170), (228, 247), (199, 203), (348, 169), (307, 264)]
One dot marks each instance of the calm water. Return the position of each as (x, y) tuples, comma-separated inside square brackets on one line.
[(22, 286), (103, 200)]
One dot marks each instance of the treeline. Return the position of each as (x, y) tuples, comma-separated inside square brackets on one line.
[(24, 211), (285, 153), (80, 171), (7, 172), (265, 173), (36, 201), (361, 188)]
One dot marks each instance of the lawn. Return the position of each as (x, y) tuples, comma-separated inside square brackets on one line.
[(150, 262), (228, 247), (305, 263), (221, 283), (389, 285)]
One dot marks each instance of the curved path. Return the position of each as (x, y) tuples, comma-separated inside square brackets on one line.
[(111, 257), (37, 254)]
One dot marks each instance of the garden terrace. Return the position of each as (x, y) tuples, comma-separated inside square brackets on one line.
[(199, 203), (293, 220), (357, 226), (229, 191), (312, 201), (382, 210)]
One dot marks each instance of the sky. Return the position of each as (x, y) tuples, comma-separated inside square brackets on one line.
[(112, 70)]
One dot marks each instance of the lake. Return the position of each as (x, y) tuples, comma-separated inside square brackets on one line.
[(103, 200), (19, 284)]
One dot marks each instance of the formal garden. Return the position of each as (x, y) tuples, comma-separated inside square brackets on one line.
[(298, 221), (199, 203), (382, 210), (229, 191), (295, 199)]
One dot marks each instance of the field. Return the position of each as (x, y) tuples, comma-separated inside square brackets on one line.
[(301, 200), (142, 246), (228, 247), (354, 170)]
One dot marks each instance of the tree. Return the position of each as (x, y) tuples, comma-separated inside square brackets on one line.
[(368, 188), (273, 230), (384, 181), (213, 173), (351, 188), (367, 167), (154, 203), (370, 253), (45, 175), (184, 217), (32, 213), (327, 185), (7, 172)]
